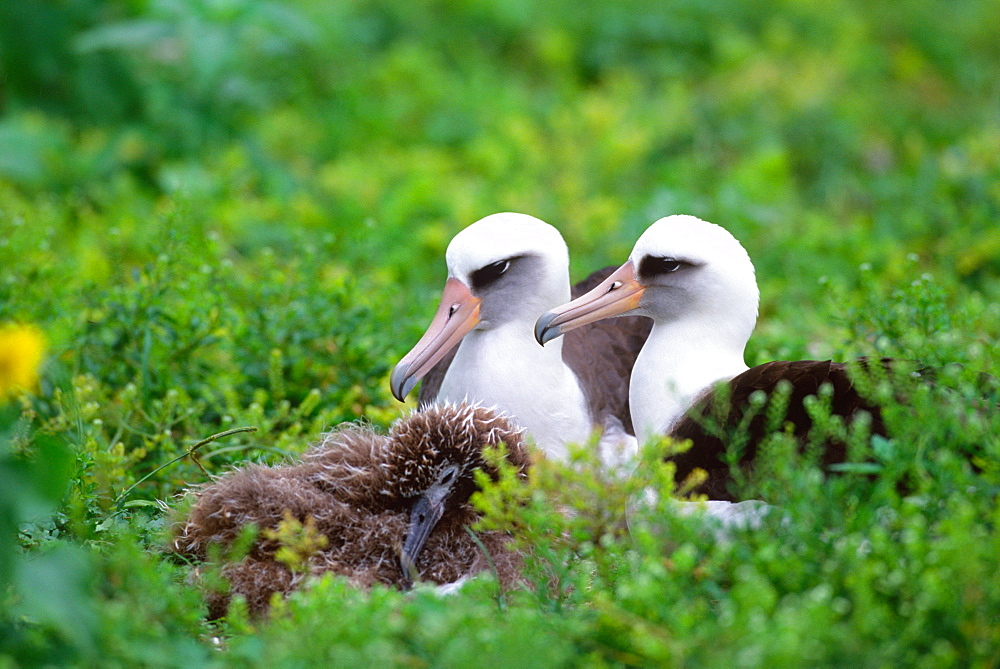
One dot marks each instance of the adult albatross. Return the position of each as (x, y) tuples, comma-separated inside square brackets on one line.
[(697, 283), (503, 271)]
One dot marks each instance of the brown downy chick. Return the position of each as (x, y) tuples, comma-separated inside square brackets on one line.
[(391, 508)]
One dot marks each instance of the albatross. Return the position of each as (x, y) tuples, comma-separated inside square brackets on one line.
[(697, 283), (373, 508), (503, 271)]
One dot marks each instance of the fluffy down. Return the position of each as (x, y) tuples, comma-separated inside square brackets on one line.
[(356, 488)]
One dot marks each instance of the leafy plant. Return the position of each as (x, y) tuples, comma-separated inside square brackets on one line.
[(227, 213)]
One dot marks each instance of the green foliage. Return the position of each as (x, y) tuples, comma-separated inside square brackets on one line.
[(389, 628), (228, 213), (33, 486)]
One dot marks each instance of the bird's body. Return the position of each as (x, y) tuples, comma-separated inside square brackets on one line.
[(675, 367), (715, 418), (367, 495), (555, 417), (503, 271), (690, 381)]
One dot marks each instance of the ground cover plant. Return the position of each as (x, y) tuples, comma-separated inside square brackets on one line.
[(220, 214)]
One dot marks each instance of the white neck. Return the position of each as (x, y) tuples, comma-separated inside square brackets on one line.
[(504, 367), (680, 359)]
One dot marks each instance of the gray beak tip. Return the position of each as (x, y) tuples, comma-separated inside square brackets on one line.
[(409, 569), (401, 383), (544, 332)]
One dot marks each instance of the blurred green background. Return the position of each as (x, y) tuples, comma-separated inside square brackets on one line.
[(832, 129), (824, 135), (234, 212)]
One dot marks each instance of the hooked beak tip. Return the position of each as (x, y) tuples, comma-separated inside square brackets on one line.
[(544, 330), (409, 568), (401, 382)]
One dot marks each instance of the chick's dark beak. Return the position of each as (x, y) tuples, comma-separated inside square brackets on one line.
[(424, 517)]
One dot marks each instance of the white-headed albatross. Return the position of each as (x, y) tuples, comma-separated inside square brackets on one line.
[(697, 283), (503, 271)]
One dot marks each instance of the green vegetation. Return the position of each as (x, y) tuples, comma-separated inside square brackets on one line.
[(225, 213)]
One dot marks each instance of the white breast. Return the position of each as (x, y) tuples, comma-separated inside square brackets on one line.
[(505, 368)]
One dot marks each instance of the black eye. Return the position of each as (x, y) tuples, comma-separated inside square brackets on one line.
[(487, 275), (654, 266)]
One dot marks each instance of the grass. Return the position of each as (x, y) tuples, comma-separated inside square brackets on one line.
[(229, 214)]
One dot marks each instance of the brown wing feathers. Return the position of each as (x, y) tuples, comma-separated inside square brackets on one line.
[(711, 423), (602, 355)]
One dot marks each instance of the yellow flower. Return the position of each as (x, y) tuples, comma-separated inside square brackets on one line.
[(21, 348)]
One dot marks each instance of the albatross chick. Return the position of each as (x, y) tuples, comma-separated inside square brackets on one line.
[(391, 508)]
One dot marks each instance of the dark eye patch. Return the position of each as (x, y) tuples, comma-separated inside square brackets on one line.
[(651, 266), (486, 275)]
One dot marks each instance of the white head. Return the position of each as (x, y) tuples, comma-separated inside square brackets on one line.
[(697, 284), (693, 269), (517, 265), (681, 269), (503, 269)]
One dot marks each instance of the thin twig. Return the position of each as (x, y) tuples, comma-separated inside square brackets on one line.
[(501, 599), (189, 452)]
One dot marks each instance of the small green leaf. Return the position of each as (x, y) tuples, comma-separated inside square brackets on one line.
[(856, 467)]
